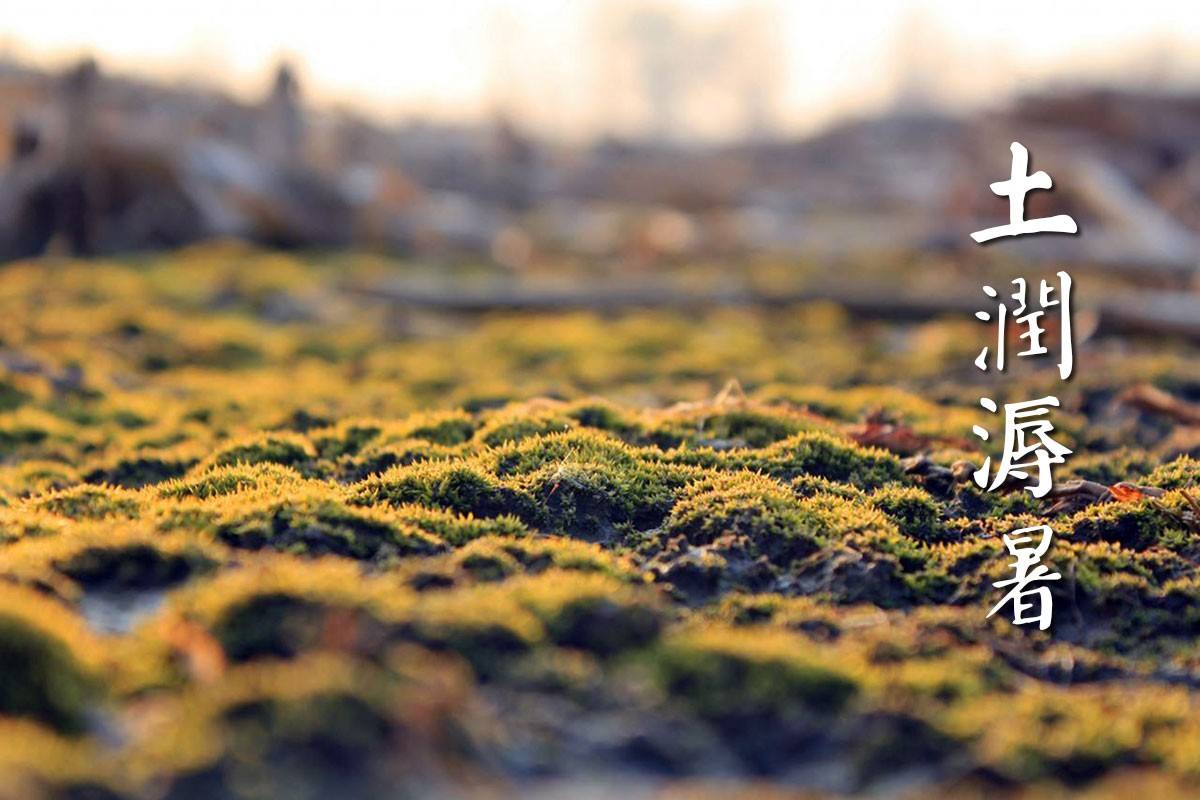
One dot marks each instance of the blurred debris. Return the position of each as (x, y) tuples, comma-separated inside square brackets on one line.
[(1151, 399), (104, 163)]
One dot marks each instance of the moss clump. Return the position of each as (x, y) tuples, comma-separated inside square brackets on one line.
[(811, 486), (459, 529), (545, 552), (596, 501), (592, 612), (484, 624), (49, 662), (379, 457), (530, 455), (458, 486), (443, 427), (319, 718), (35, 477), (827, 456), (134, 565), (220, 481), (346, 438), (89, 502), (745, 504), (38, 762), (317, 522), (732, 674), (1137, 524), (604, 416), (516, 424), (287, 449), (913, 510), (1182, 473), (282, 607), (136, 471), (1111, 467), (721, 427), (492, 564)]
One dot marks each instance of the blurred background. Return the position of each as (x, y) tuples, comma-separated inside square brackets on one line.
[(608, 135)]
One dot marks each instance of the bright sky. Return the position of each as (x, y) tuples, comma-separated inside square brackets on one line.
[(547, 58)]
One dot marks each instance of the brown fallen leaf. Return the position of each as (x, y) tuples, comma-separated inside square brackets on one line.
[(1126, 492)]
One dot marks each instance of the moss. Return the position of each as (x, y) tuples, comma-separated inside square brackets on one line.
[(347, 438), (444, 427), (458, 529), (134, 472), (745, 427), (36, 477), (36, 761), (89, 502), (545, 552), (134, 565), (754, 506), (49, 663), (602, 415), (1111, 467), (1178, 474), (826, 456), (488, 565), (282, 608), (530, 455), (516, 424), (299, 722), (220, 481), (592, 612), (594, 501), (485, 624), (811, 485), (378, 457), (454, 486), (319, 523), (287, 449), (1138, 525), (913, 510), (729, 674)]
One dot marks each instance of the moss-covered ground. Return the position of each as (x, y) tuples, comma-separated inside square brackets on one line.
[(261, 536)]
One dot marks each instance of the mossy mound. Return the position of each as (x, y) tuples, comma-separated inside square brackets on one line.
[(259, 536)]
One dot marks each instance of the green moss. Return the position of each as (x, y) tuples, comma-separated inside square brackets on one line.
[(730, 674), (1111, 467), (483, 624), (444, 428), (826, 456), (1178, 474), (460, 486), (1138, 525), (49, 668), (730, 428), (313, 524), (133, 566), (89, 502), (592, 612), (594, 501), (458, 529), (745, 504), (41, 680), (220, 481), (518, 424), (287, 449), (913, 510), (530, 455), (134, 472)]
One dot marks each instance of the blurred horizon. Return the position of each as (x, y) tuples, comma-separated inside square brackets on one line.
[(675, 70)]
